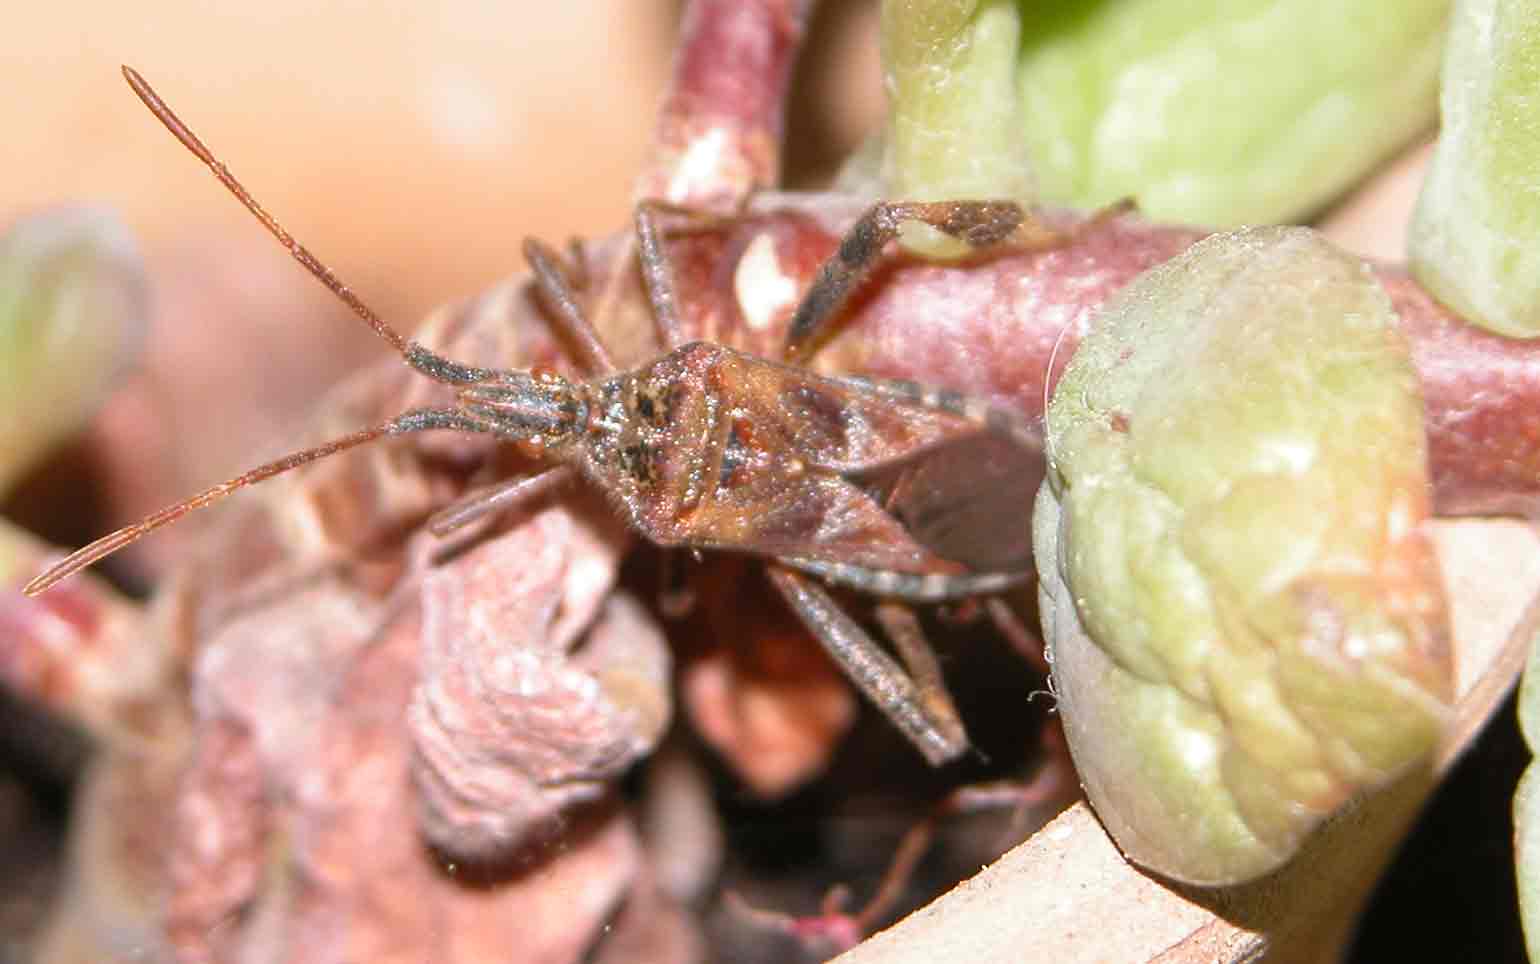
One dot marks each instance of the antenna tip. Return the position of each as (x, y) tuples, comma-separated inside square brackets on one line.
[(139, 84), (37, 586)]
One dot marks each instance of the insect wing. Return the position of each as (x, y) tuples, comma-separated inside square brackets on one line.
[(968, 500), (819, 516), (851, 425), (805, 454), (957, 474)]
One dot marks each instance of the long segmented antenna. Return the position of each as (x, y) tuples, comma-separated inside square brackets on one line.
[(415, 355), (107, 545), (415, 420), (312, 264)]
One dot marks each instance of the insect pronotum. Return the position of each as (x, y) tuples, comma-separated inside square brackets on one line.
[(853, 480)]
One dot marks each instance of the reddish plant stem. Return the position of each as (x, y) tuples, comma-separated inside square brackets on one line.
[(992, 328), (720, 126), (1482, 397), (80, 652)]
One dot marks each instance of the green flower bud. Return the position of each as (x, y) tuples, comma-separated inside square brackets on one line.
[(1475, 241), (1243, 611), (72, 306)]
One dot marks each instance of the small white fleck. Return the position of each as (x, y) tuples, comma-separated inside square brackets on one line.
[(762, 288), (701, 163)]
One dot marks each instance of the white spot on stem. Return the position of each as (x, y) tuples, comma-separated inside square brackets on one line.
[(763, 290)]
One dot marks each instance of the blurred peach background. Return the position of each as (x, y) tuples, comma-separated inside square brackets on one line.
[(411, 146), (412, 143)]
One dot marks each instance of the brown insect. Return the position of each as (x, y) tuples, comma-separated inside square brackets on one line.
[(901, 491)]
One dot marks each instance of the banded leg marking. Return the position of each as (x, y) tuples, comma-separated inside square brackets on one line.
[(979, 224), (875, 673), (915, 587)]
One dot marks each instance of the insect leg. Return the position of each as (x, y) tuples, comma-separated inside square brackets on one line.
[(657, 275), (1002, 421), (577, 265), (675, 597), (494, 498), (903, 629), (1015, 631), (874, 672), (556, 294), (979, 224), (914, 586)]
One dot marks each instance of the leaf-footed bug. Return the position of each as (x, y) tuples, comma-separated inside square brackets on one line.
[(894, 489)]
